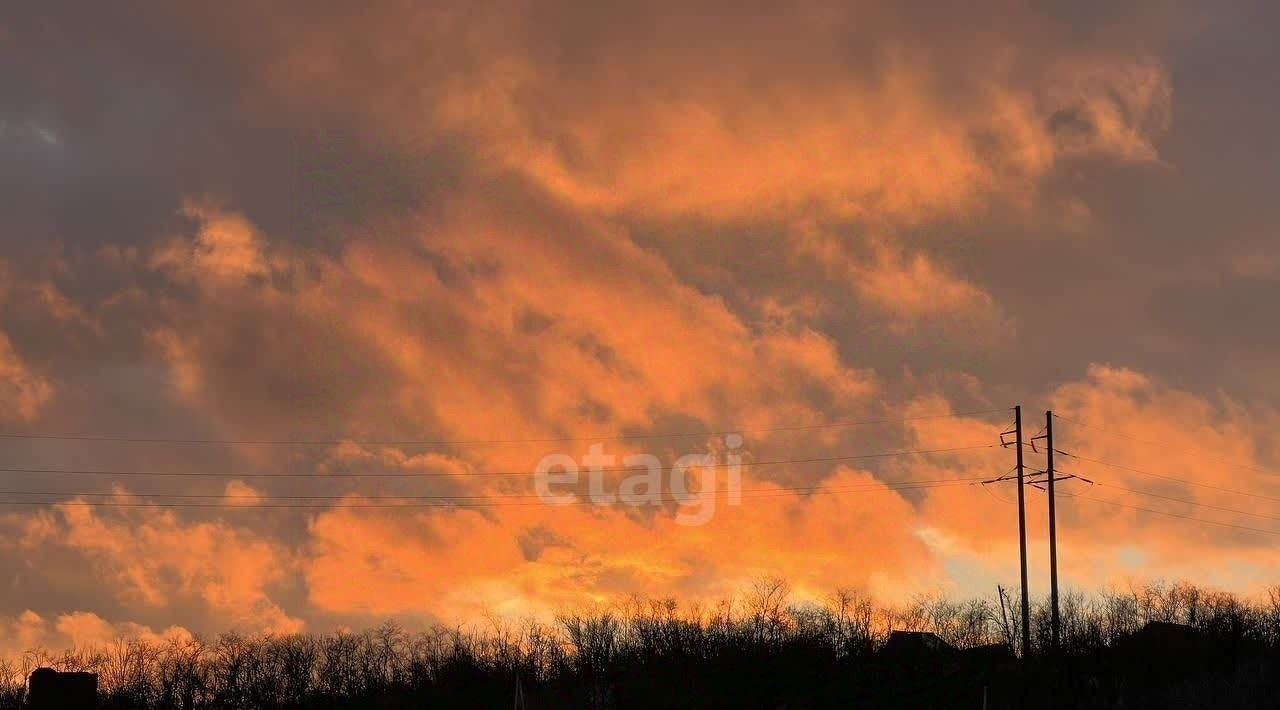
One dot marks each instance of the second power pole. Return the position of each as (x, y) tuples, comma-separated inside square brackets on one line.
[(1022, 536), (1055, 621)]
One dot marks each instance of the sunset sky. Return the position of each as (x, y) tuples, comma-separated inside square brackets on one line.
[(451, 238)]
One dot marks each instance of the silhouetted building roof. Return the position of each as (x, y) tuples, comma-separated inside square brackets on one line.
[(915, 644), (1163, 648), (48, 689), (1162, 635)]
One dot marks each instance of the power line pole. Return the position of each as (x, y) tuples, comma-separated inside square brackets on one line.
[(1056, 622), (1022, 534)]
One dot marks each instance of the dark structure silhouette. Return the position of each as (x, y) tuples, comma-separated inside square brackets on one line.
[(1164, 645), (916, 646), (48, 689), (1157, 635)]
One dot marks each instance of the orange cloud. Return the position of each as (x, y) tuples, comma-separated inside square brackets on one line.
[(225, 247), (911, 290), (538, 560), (29, 631), (152, 558), (557, 336), (1198, 449), (653, 221), (895, 149), (26, 391), (855, 111)]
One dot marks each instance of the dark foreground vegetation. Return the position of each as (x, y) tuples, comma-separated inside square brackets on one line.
[(759, 651)]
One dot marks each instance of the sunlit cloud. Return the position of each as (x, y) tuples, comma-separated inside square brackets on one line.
[(552, 226)]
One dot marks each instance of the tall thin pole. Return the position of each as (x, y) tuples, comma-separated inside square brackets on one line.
[(1022, 535), (1056, 622)]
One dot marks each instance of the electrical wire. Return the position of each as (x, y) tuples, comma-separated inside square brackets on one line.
[(686, 498), (468, 442), (1183, 481), (1165, 445), (224, 496), (1177, 515), (434, 474), (1197, 504)]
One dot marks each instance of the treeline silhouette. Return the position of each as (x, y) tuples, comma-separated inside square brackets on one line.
[(759, 650)]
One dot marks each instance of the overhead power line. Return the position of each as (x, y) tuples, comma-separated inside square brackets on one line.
[(452, 497), (1177, 515), (1165, 445), (433, 474), (1184, 481), (1197, 504), (467, 442), (488, 496), (465, 501)]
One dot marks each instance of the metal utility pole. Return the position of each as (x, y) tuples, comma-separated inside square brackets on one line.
[(1022, 534), (1056, 621)]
